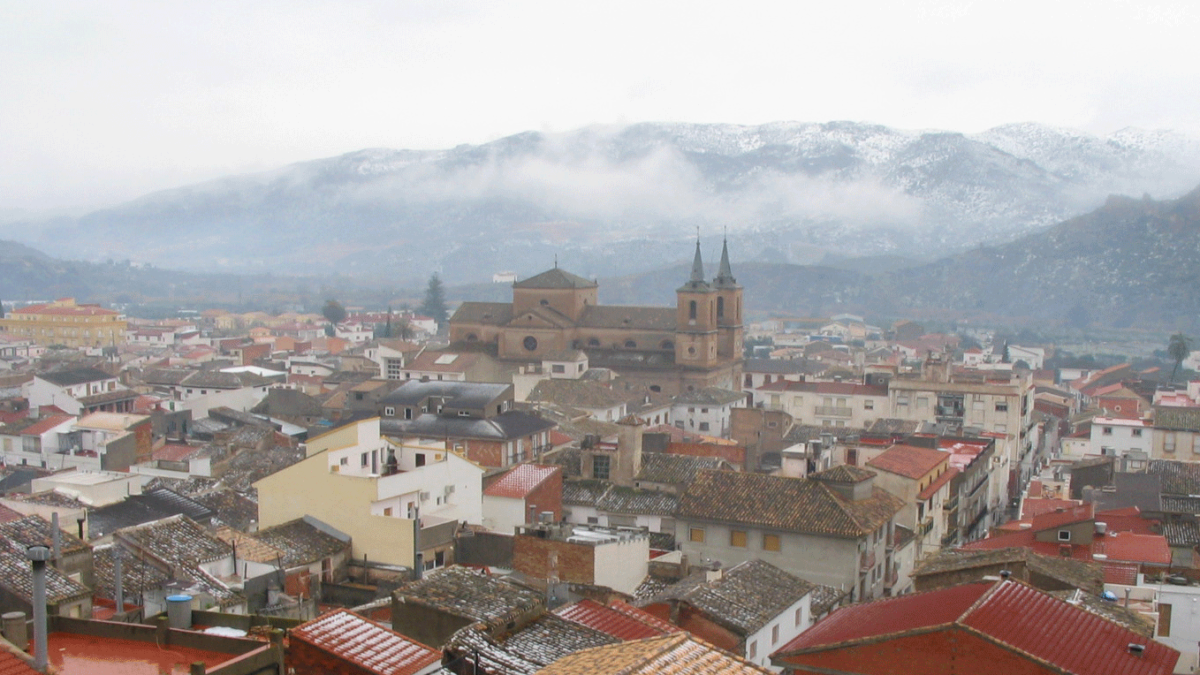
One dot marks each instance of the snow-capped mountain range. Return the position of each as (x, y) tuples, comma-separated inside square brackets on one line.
[(612, 200)]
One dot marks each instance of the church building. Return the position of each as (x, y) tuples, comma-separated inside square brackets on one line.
[(696, 344)]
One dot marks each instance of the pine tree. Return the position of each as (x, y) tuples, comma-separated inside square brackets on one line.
[(435, 301), (333, 311)]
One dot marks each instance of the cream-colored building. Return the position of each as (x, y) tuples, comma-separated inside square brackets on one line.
[(65, 322), (350, 480)]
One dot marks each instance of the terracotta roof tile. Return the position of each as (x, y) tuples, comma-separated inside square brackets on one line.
[(521, 480), (909, 461), (678, 654), (788, 504), (366, 644)]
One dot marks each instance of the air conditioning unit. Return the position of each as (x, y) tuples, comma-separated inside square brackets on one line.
[(424, 496)]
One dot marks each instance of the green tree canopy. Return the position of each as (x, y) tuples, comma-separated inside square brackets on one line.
[(333, 311), (1179, 347), (434, 305)]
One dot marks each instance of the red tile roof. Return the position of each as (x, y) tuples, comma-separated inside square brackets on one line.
[(174, 452), (1017, 617), (1036, 507), (932, 489), (41, 427), (366, 643), (522, 480), (620, 620), (1065, 516), (1129, 547), (908, 460)]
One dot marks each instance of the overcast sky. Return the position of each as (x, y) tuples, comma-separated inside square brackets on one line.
[(105, 101)]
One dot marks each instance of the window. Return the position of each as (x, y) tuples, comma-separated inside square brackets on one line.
[(530, 343), (364, 459), (408, 413), (630, 344), (1064, 535), (774, 635), (771, 542), (868, 405), (720, 308), (1107, 431), (558, 368), (752, 650), (600, 467), (799, 616), (696, 534), (1137, 433), (593, 342), (389, 412), (1169, 442), (704, 426), (737, 538), (1001, 406), (692, 310), (387, 511)]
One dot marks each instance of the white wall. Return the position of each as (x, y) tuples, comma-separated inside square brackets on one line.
[(789, 628), (622, 565), (503, 514)]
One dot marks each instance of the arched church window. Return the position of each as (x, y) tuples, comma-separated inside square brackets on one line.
[(720, 308), (692, 310)]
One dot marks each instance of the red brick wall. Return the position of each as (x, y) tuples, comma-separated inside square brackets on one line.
[(485, 453), (576, 562), (308, 660), (548, 496)]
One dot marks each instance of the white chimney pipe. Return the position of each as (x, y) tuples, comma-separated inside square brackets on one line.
[(38, 555)]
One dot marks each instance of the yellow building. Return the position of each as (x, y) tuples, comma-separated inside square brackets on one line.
[(65, 322)]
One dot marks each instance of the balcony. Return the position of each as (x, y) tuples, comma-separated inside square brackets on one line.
[(925, 527), (833, 411), (951, 539), (890, 578), (866, 561), (951, 504)]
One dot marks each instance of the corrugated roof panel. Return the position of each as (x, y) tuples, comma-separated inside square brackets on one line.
[(366, 643)]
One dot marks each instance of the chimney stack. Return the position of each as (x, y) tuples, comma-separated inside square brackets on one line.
[(38, 555)]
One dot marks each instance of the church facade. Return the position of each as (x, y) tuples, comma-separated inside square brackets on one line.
[(696, 344)]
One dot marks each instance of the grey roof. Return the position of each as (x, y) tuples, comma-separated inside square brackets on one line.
[(773, 366), (578, 394), (230, 508), (457, 394), (658, 467), (624, 500), (490, 313), (584, 492), (1178, 478), (16, 578), (470, 594), (710, 396), (1142, 490), (137, 575), (302, 542), (745, 598), (144, 508), (1177, 419), (1179, 504), (178, 541), (556, 278), (1185, 533), (508, 426), (32, 530), (71, 376), (629, 316)]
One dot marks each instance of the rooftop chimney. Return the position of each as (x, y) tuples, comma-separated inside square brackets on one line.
[(38, 555)]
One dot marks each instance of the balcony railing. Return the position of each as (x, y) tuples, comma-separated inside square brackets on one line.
[(833, 411), (951, 504), (866, 561), (925, 527)]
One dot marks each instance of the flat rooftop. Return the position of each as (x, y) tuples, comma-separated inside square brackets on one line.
[(73, 654)]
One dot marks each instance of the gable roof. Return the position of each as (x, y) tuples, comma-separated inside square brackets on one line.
[(619, 619), (366, 644), (746, 597), (556, 278), (521, 480), (677, 654), (1010, 614), (788, 504), (467, 593), (908, 461)]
